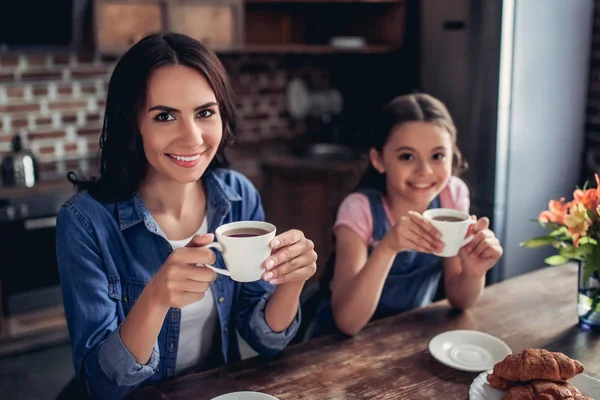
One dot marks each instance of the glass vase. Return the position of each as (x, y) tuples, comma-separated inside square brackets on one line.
[(588, 299)]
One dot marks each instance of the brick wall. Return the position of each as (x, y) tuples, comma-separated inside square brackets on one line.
[(56, 101), (591, 161)]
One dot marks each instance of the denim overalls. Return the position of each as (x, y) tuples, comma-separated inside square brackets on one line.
[(412, 281)]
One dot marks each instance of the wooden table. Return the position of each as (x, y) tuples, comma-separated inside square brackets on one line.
[(389, 359)]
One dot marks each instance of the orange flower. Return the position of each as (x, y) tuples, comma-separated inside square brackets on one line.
[(589, 198), (556, 212), (597, 190), (578, 222)]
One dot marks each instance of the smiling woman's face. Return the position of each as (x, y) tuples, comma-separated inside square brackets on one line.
[(180, 125)]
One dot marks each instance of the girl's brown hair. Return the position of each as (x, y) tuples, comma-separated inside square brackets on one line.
[(408, 108)]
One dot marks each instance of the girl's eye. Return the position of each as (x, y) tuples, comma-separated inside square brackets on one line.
[(405, 157), (206, 113), (164, 117), (439, 156)]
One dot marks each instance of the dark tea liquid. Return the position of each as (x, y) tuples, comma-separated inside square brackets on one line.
[(447, 218), (245, 232)]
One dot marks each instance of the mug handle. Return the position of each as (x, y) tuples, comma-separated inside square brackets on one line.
[(214, 245), (470, 237)]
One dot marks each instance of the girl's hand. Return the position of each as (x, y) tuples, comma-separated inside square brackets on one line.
[(414, 232), (293, 258), (482, 252), (179, 281)]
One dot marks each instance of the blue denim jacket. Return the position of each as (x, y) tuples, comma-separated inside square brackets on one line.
[(108, 252)]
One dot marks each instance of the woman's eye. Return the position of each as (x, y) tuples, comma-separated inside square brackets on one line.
[(206, 113), (164, 117), (439, 156), (406, 157)]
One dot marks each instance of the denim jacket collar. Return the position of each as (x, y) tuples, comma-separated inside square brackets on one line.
[(220, 195)]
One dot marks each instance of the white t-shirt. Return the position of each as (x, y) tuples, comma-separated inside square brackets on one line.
[(199, 321)]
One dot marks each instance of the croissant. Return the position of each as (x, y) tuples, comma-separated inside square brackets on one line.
[(544, 390), (538, 364), (499, 383)]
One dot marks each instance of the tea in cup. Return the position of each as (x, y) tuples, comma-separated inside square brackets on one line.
[(245, 245), (453, 226)]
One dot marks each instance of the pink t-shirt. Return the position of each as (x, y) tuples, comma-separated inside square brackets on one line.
[(355, 210)]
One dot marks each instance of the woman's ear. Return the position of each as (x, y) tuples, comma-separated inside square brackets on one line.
[(376, 160)]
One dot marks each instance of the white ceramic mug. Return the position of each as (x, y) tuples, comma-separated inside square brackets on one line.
[(453, 232), (246, 251)]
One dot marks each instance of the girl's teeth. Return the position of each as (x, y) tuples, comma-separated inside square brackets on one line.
[(180, 158), (421, 186)]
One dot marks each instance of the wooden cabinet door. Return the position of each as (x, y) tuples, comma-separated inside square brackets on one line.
[(216, 23), (120, 24), (307, 199)]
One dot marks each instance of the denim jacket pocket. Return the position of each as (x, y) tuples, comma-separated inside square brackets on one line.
[(125, 291)]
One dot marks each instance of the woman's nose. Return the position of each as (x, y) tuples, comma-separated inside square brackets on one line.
[(192, 133)]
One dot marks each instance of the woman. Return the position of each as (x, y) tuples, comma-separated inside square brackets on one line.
[(138, 308)]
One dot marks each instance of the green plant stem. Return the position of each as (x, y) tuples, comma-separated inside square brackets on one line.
[(595, 302)]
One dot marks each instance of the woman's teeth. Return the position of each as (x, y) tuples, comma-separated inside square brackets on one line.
[(182, 158)]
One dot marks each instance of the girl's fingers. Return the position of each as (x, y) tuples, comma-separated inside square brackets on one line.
[(424, 224), (425, 241)]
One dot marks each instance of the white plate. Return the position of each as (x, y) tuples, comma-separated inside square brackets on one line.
[(245, 396), (481, 390), (471, 351)]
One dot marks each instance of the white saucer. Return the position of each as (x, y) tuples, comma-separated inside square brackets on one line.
[(245, 396), (471, 351)]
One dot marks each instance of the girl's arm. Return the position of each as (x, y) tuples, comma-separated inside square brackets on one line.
[(357, 280), (464, 275), (462, 288)]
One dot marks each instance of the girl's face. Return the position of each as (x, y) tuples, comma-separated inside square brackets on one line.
[(417, 160), (180, 125)]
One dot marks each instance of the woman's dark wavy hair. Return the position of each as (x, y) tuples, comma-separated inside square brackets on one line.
[(123, 164), (408, 108)]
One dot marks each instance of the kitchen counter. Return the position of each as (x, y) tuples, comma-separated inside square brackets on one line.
[(247, 158), (52, 179)]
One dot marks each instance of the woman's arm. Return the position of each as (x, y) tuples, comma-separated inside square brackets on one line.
[(101, 360)]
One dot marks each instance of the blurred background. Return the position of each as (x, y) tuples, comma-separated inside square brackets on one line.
[(520, 77)]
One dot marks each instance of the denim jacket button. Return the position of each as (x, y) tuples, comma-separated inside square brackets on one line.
[(226, 330), (175, 315), (172, 345), (221, 299)]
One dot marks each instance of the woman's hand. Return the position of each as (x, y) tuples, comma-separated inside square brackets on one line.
[(293, 258), (179, 281)]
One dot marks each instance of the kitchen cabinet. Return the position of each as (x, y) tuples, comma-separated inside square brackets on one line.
[(256, 26), (322, 26), (121, 23), (216, 23), (304, 194)]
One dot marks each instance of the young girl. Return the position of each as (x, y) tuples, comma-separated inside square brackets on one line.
[(383, 257), (138, 308)]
